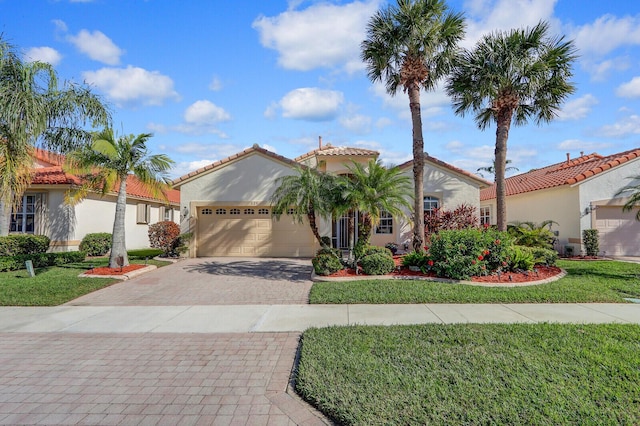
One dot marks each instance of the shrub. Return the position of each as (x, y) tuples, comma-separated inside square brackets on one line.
[(181, 244), (521, 257), (326, 264), (415, 258), (460, 254), (97, 244), (332, 251), (16, 244), (393, 247), (531, 234), (377, 264), (40, 260), (462, 217), (542, 256), (377, 249), (325, 241), (163, 235), (590, 240), (143, 253)]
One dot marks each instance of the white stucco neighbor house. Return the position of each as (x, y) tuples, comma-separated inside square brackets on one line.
[(44, 212), (578, 194), (226, 205)]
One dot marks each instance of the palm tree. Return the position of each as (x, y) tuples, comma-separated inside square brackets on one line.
[(492, 169), (35, 110), (411, 46), (371, 190), (106, 165), (512, 76), (633, 192), (303, 195)]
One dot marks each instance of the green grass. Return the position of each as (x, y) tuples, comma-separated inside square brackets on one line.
[(473, 374), (593, 281), (53, 285)]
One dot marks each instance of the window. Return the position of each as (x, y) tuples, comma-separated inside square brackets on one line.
[(143, 213), (221, 211), (485, 216), (249, 211), (234, 211), (263, 211), (291, 211), (166, 213), (385, 226), (207, 211), (430, 205), (23, 219)]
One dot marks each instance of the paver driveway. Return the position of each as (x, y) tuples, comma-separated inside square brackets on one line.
[(212, 281)]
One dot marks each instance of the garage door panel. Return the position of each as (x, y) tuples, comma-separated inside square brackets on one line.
[(618, 231)]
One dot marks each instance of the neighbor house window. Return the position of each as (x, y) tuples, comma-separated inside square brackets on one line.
[(485, 216), (249, 211), (385, 226), (431, 204), (263, 211), (143, 213), (166, 213), (234, 211), (23, 219), (221, 211)]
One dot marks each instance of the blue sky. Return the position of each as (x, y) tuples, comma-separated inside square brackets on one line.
[(210, 78)]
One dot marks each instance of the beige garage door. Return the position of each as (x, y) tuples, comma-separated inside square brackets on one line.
[(246, 231), (619, 231)]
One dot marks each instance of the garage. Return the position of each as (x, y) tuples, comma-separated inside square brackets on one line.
[(618, 231), (248, 231)]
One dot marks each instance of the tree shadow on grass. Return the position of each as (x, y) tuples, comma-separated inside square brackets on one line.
[(275, 270)]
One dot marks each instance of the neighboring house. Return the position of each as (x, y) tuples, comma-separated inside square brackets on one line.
[(578, 194), (227, 204), (43, 210)]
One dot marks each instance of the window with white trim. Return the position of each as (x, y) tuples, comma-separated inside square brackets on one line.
[(431, 204), (25, 216), (485, 216), (143, 213), (166, 213), (385, 226)]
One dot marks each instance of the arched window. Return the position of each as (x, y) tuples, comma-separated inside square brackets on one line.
[(431, 204)]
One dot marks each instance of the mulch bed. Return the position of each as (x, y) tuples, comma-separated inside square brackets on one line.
[(105, 270)]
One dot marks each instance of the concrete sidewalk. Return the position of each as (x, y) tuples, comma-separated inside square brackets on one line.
[(295, 318)]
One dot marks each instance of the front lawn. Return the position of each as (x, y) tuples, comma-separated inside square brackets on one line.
[(54, 285), (586, 281), (473, 374)]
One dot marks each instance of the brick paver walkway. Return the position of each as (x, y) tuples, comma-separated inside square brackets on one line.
[(138, 379)]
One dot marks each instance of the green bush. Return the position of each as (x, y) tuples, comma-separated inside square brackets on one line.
[(325, 241), (96, 244), (377, 264), (40, 260), (143, 253), (377, 249), (590, 240), (521, 257), (415, 258), (17, 244), (326, 264), (542, 256), (461, 254), (332, 251)]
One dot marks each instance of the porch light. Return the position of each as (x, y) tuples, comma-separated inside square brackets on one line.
[(185, 212)]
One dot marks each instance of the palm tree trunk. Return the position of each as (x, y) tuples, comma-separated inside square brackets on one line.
[(364, 228), (5, 218), (502, 135), (311, 215), (418, 168), (118, 247)]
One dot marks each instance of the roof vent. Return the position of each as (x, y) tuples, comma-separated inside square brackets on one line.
[(568, 157)]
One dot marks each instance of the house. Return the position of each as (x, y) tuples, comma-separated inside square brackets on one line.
[(43, 210), (226, 205), (578, 194)]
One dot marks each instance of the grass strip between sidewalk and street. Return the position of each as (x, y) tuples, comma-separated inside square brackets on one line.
[(586, 281), (519, 374)]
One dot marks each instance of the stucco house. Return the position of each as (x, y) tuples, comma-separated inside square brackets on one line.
[(578, 194), (44, 212), (226, 205)]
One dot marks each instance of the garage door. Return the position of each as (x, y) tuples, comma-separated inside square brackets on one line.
[(619, 231), (251, 231)]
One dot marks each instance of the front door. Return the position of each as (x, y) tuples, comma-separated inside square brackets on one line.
[(341, 230)]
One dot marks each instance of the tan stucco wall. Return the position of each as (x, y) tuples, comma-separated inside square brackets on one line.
[(339, 164)]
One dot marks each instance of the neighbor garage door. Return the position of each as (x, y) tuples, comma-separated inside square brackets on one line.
[(619, 232), (251, 231)]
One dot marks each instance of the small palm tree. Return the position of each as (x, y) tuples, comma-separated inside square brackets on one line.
[(371, 190), (511, 77), (492, 169), (633, 192), (533, 234), (105, 165), (411, 46), (303, 195)]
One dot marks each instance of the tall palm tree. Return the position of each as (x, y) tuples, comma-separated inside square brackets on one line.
[(371, 190), (303, 195), (411, 46), (632, 191), (105, 165), (512, 76), (35, 110)]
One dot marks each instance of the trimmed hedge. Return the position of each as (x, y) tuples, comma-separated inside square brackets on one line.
[(377, 250), (144, 253), (16, 244), (96, 244), (326, 264), (41, 260), (378, 263)]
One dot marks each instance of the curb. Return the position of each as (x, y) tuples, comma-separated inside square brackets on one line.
[(122, 277)]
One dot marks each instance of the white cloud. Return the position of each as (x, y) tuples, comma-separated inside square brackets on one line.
[(310, 103), (356, 123), (205, 113), (627, 126), (271, 112), (600, 70), (185, 167), (383, 122), (578, 145), (606, 34), (215, 84), (577, 109), (630, 89), (97, 46), (132, 85), (43, 54), (324, 35), (269, 147)]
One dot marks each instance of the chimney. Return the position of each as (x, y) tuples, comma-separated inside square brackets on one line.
[(319, 142), (581, 153), (568, 157)]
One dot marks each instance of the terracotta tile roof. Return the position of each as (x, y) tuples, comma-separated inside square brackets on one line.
[(566, 173), (427, 158), (255, 148), (333, 151), (54, 175)]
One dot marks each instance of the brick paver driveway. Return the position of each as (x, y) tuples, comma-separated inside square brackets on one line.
[(173, 379), (212, 281)]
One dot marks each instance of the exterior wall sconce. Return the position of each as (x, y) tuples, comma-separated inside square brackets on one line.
[(185, 212)]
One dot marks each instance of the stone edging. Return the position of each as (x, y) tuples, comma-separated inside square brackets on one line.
[(123, 277), (318, 278)]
